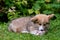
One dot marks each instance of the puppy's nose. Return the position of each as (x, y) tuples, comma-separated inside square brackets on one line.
[(42, 30)]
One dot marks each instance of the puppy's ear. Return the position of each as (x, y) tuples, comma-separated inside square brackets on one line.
[(51, 16), (34, 19)]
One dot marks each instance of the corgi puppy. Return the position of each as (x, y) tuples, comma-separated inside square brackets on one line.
[(36, 25)]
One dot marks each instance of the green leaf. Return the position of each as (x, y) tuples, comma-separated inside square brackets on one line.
[(30, 11), (47, 0), (24, 2), (48, 6), (37, 12), (56, 6), (47, 12), (36, 7)]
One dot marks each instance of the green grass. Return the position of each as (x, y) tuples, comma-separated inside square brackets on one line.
[(53, 34)]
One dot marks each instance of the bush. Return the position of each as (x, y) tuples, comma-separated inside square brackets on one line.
[(17, 8)]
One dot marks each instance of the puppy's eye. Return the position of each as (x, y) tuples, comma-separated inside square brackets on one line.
[(44, 24), (39, 24), (47, 23)]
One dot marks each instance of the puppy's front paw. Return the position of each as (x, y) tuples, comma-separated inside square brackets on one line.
[(41, 32), (34, 32)]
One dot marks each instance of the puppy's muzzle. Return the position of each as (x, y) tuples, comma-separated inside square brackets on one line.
[(41, 28)]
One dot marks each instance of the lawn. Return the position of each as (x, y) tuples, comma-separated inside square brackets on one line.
[(53, 34)]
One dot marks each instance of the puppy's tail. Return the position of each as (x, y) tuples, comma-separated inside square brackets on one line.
[(9, 28)]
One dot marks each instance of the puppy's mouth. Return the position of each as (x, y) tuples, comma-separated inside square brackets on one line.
[(40, 32)]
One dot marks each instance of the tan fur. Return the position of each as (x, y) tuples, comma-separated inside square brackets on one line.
[(42, 18)]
